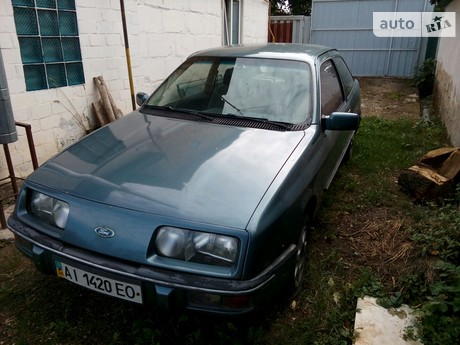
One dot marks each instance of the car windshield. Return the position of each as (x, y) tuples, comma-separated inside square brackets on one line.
[(268, 89)]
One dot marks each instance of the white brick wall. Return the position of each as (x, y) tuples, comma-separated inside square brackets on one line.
[(161, 35), (447, 85)]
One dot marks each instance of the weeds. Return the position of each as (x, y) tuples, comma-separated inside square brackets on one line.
[(440, 314), (438, 237), (424, 77)]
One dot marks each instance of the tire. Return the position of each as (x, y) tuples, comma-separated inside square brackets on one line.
[(298, 271), (348, 154)]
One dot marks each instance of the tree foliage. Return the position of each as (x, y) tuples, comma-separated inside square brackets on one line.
[(290, 7)]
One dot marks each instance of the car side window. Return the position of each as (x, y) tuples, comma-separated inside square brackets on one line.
[(331, 89), (345, 75)]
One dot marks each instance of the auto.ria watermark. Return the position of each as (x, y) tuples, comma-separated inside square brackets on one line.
[(414, 24)]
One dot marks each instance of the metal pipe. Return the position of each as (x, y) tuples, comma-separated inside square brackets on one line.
[(30, 142), (12, 175), (9, 163), (128, 55)]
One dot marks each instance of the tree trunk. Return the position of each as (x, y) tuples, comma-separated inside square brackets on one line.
[(105, 98), (100, 113), (423, 183), (434, 176)]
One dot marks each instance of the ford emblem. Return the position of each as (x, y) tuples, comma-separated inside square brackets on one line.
[(104, 232)]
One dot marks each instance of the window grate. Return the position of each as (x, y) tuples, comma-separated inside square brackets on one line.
[(28, 3), (46, 3), (49, 43), (26, 21), (52, 50)]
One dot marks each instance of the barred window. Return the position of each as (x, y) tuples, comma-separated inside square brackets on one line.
[(48, 40)]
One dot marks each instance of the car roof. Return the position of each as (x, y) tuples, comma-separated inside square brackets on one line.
[(291, 51)]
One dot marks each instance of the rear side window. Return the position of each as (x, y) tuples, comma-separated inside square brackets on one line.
[(331, 89), (345, 75)]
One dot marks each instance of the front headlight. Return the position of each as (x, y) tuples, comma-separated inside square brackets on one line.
[(196, 246), (49, 210)]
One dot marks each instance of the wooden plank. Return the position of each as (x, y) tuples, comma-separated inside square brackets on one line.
[(436, 158), (105, 99), (451, 166), (99, 111), (116, 111)]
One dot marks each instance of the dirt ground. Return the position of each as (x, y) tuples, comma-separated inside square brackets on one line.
[(378, 238), (389, 98)]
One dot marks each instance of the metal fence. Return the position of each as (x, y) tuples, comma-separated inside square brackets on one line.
[(347, 26)]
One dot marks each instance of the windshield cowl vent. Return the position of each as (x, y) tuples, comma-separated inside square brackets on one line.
[(227, 121)]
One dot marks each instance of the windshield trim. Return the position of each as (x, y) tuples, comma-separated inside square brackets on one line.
[(254, 112)]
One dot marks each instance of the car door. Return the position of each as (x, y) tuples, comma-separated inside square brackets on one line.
[(332, 99)]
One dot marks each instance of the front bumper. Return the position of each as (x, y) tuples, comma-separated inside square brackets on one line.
[(165, 289)]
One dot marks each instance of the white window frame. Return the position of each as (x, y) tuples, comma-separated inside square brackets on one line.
[(231, 12)]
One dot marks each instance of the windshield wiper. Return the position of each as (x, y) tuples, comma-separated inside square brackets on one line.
[(233, 106), (183, 111)]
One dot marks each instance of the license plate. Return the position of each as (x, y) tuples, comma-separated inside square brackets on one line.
[(107, 286)]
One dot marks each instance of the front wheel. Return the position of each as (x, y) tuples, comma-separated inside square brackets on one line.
[(298, 273)]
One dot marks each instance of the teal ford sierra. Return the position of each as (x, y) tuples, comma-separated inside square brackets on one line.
[(201, 198)]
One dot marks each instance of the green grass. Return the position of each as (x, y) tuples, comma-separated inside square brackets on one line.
[(383, 149), (37, 309)]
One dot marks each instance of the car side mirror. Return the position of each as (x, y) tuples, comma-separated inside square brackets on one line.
[(141, 98), (341, 122)]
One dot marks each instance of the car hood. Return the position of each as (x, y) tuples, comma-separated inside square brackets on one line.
[(196, 171)]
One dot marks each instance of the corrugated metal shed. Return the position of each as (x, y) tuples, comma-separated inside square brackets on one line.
[(347, 26)]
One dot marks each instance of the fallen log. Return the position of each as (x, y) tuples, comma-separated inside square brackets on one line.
[(423, 183), (434, 176)]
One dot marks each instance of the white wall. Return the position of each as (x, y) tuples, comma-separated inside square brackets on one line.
[(162, 34), (255, 21), (447, 87)]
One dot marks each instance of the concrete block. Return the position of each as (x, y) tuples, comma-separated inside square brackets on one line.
[(114, 39), (86, 3), (97, 40), (49, 124), (86, 28), (40, 110), (89, 14), (375, 325), (174, 22)]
